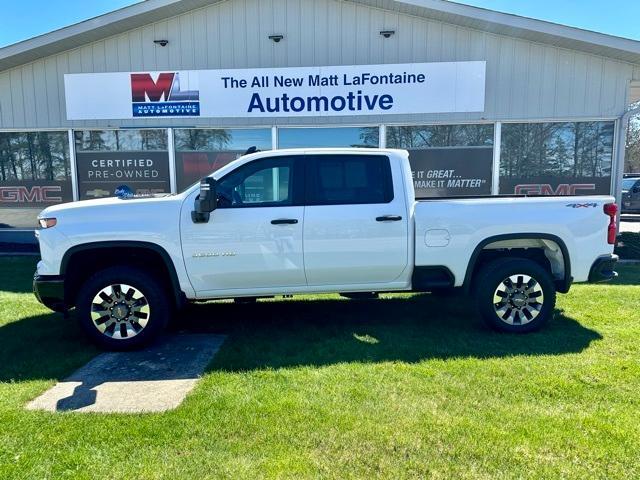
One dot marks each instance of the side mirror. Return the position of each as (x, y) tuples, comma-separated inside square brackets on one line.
[(206, 201)]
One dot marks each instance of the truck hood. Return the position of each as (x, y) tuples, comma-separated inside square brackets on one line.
[(106, 204)]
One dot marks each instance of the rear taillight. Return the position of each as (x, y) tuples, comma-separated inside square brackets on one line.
[(611, 209)]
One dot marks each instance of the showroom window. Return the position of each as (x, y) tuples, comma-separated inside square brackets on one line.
[(129, 140), (199, 152), (131, 160), (556, 158), (366, 137), (447, 160), (35, 172)]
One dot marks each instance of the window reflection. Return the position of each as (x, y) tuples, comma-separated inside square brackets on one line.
[(35, 172), (120, 140), (108, 161), (556, 158), (367, 137), (447, 160), (34, 156), (199, 152), (432, 136)]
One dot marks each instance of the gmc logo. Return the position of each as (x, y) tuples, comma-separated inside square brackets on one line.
[(546, 189), (35, 194)]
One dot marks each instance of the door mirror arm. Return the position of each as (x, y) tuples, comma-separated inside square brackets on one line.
[(206, 201)]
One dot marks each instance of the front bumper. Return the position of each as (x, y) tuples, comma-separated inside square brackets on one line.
[(49, 290), (602, 269)]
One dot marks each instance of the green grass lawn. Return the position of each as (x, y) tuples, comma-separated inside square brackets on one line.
[(403, 387)]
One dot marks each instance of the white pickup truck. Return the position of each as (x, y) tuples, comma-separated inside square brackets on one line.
[(313, 221)]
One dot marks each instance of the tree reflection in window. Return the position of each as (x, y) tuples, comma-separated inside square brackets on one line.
[(563, 149), (435, 136), (34, 156), (125, 140)]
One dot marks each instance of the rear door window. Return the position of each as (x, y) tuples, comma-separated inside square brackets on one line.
[(348, 179)]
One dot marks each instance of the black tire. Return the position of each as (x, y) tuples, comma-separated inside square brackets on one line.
[(522, 307), (154, 303)]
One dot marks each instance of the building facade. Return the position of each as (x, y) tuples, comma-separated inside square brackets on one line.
[(159, 94)]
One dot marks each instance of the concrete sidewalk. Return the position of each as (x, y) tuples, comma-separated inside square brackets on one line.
[(151, 380)]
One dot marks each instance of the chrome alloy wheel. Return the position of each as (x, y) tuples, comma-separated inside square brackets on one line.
[(120, 311), (518, 299)]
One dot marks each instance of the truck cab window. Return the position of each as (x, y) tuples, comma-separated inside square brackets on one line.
[(260, 183), (349, 179)]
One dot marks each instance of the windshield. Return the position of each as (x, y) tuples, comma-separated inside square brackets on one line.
[(628, 183)]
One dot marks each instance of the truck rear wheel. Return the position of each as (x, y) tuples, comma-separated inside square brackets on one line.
[(122, 308), (515, 295)]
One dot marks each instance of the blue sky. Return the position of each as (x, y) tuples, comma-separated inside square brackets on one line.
[(24, 19)]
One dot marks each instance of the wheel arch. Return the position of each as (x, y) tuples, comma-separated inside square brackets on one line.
[(131, 249), (527, 240)]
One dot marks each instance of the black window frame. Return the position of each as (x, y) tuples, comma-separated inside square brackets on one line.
[(296, 180), (311, 177)]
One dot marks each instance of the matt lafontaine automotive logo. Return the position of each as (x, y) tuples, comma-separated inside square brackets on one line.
[(164, 96)]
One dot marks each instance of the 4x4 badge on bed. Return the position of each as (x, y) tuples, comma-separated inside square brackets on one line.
[(582, 205)]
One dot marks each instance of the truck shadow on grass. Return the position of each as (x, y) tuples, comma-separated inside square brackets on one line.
[(324, 332), (302, 332)]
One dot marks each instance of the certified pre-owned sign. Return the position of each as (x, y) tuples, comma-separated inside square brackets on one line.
[(279, 92), (101, 174)]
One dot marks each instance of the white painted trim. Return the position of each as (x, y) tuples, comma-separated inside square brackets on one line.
[(382, 134), (488, 122), (332, 125), (562, 120), (72, 165), (274, 137), (495, 172), (110, 128), (617, 167), (29, 130), (173, 183)]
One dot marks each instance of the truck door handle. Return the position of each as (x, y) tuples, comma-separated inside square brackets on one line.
[(389, 218), (284, 221)]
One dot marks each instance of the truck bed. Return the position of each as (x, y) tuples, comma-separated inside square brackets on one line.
[(450, 230)]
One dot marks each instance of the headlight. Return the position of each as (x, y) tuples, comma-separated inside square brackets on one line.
[(47, 222)]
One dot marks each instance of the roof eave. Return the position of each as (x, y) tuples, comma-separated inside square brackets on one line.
[(526, 28), (150, 11), (103, 26)]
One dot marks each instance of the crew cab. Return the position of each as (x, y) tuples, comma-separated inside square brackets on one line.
[(289, 222)]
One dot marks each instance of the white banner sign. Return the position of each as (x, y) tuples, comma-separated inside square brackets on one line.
[(279, 92)]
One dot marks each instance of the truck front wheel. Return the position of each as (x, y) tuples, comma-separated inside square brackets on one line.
[(515, 295), (121, 308)]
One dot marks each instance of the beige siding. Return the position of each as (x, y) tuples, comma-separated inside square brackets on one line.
[(525, 80)]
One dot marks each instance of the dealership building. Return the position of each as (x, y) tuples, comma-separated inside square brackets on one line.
[(158, 94)]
